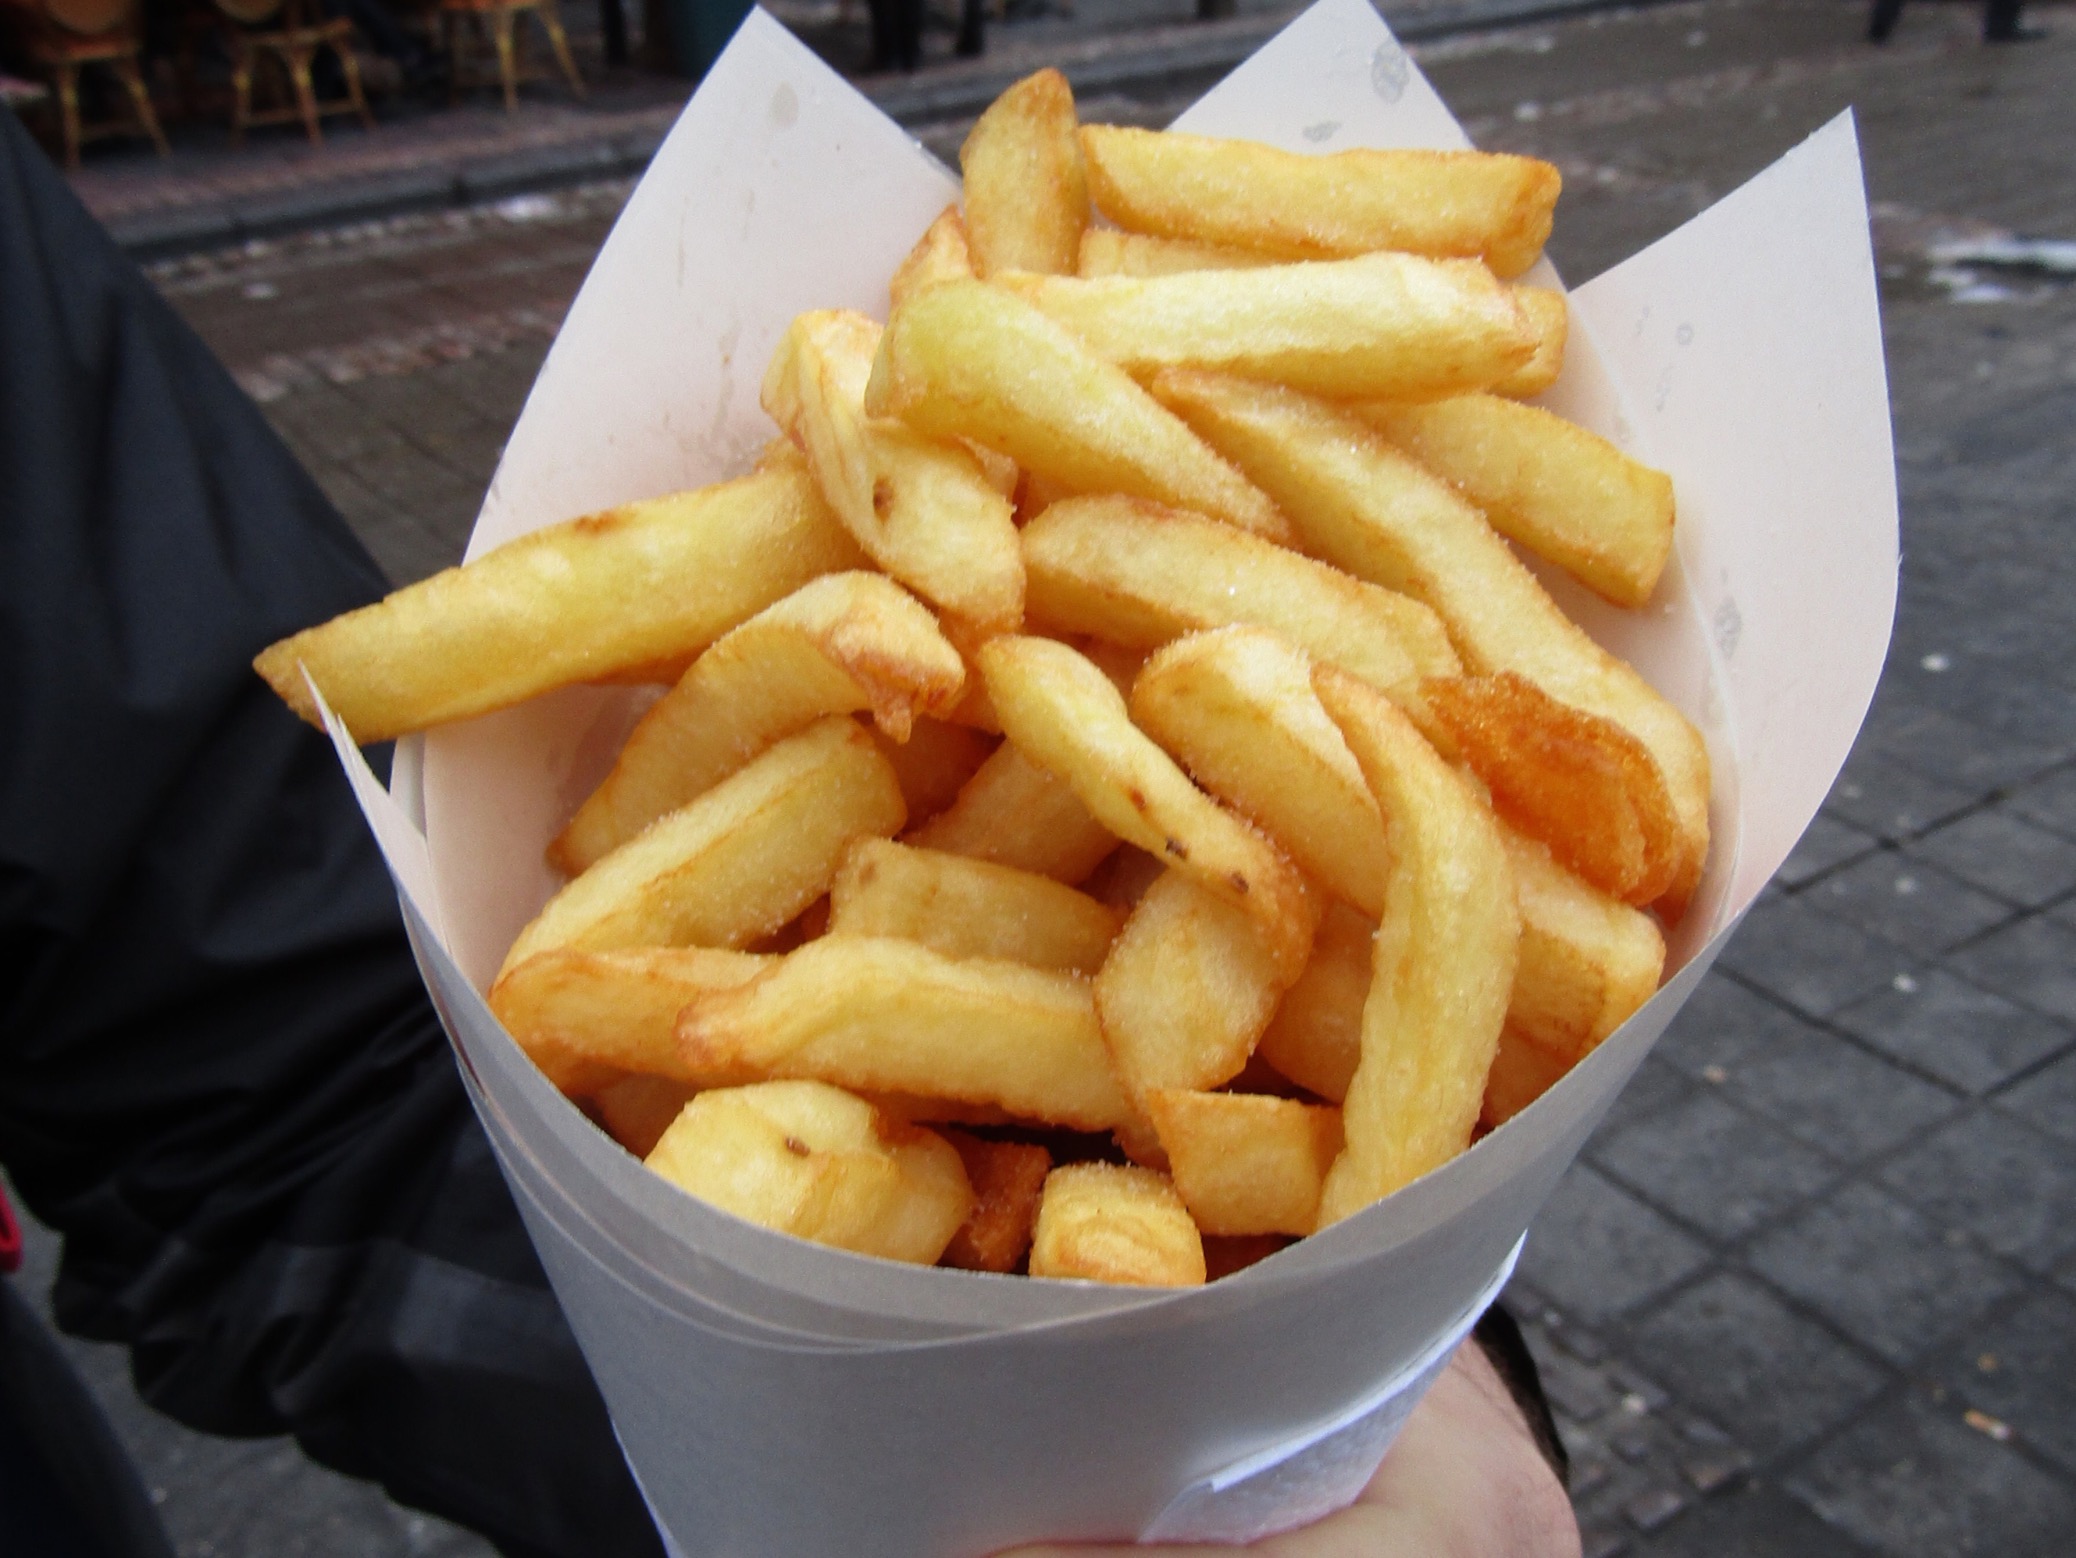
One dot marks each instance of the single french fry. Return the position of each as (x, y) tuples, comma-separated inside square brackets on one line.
[(934, 764), (969, 360), (1107, 251), (1134, 573), (738, 862), (968, 908), (1562, 492), (1102, 1223), (1380, 326), (575, 602), (1587, 963), (1067, 717), (1245, 1163), (812, 1161), (1549, 321), (923, 509), (1472, 205), (844, 642), (1580, 783), (941, 254), (1236, 708), (893, 1016), (1026, 196), (1522, 1071), (1014, 813), (636, 1110), (1008, 1180), (1367, 507), (586, 1017), (1315, 1038), (1186, 990), (1444, 962)]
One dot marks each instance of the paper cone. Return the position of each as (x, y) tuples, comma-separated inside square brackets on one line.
[(777, 1398)]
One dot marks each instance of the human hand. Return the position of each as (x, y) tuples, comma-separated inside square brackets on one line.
[(1464, 1480)]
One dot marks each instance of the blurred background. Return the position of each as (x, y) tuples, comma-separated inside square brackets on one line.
[(1812, 1289)]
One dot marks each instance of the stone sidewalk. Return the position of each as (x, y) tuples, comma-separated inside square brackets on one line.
[(1812, 1289)]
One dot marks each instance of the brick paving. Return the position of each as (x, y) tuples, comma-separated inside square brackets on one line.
[(1812, 1288)]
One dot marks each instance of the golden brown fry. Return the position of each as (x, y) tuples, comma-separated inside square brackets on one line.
[(1103, 1223), (1014, 813), (1522, 1071), (1187, 989), (1008, 1180), (1244, 1163), (1380, 326), (1138, 574), (1549, 320), (1105, 251), (1470, 205), (968, 908), (1315, 1038), (941, 254), (1067, 717), (844, 642), (737, 863), (586, 1017), (1587, 961), (924, 510), (575, 602), (636, 1110), (1368, 508), (934, 764), (1026, 196), (894, 1016), (1562, 492), (1444, 961), (1577, 781), (969, 360), (819, 1164), (1236, 708)]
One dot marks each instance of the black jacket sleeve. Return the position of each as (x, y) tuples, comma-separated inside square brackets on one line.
[(220, 1077)]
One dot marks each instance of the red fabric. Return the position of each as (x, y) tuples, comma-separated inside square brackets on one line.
[(10, 1237)]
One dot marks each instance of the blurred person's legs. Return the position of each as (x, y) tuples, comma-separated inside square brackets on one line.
[(220, 1077)]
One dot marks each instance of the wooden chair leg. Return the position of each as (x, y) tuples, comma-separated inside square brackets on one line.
[(507, 58), (134, 81), (242, 61), (558, 40), (349, 63), (68, 111), (306, 94)]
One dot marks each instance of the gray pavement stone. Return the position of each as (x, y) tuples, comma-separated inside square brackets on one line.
[(1729, 1347), (2033, 961), (2046, 1100), (1826, 845), (1754, 1520), (1597, 1251), (1812, 960), (1712, 1165), (1908, 902), (1994, 1179), (2049, 801), (1880, 1272), (1944, 1027), (1912, 1479), (1950, 751), (1890, 801), (2019, 1370), (1655, 1087), (1722, 1026)]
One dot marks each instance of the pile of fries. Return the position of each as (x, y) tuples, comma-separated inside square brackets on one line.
[(1120, 802)]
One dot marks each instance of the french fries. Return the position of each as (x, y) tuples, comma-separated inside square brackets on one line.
[(1471, 205), (1251, 804), (586, 600), (845, 642), (968, 908), (1366, 507), (1380, 326), (966, 360), (738, 862), (1102, 1223)]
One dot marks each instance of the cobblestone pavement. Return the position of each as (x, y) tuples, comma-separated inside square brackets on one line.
[(1812, 1289)]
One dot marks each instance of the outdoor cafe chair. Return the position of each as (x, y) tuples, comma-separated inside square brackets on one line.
[(66, 36), (283, 32), (500, 18)]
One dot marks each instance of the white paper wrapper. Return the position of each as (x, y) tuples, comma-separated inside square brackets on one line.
[(780, 1399)]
